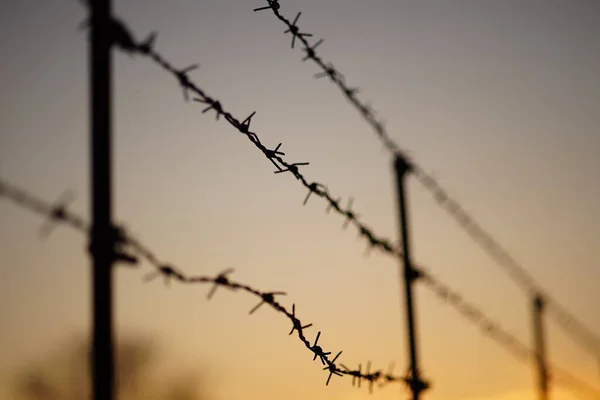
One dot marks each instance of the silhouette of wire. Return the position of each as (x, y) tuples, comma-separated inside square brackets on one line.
[(516, 271), (136, 250), (129, 250)]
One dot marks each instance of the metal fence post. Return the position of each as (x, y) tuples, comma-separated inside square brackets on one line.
[(408, 275), (102, 239)]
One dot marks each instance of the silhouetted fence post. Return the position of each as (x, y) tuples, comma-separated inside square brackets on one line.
[(408, 275), (102, 236), (540, 347)]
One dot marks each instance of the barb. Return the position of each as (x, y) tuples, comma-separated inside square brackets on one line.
[(135, 249), (58, 213), (295, 31), (517, 272)]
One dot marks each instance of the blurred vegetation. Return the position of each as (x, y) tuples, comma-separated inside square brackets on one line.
[(64, 374)]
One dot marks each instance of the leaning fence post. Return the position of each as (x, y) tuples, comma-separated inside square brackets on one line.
[(408, 275), (102, 238), (540, 348)]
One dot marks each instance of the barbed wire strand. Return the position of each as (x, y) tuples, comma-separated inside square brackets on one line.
[(124, 39), (135, 250), (516, 271), (129, 249)]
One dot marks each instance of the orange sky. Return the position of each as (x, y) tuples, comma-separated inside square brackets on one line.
[(499, 100)]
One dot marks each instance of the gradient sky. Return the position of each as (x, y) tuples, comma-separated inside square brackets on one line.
[(499, 99)]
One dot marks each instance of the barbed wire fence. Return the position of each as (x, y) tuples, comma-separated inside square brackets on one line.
[(127, 249)]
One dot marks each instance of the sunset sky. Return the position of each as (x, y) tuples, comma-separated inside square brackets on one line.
[(500, 100)]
